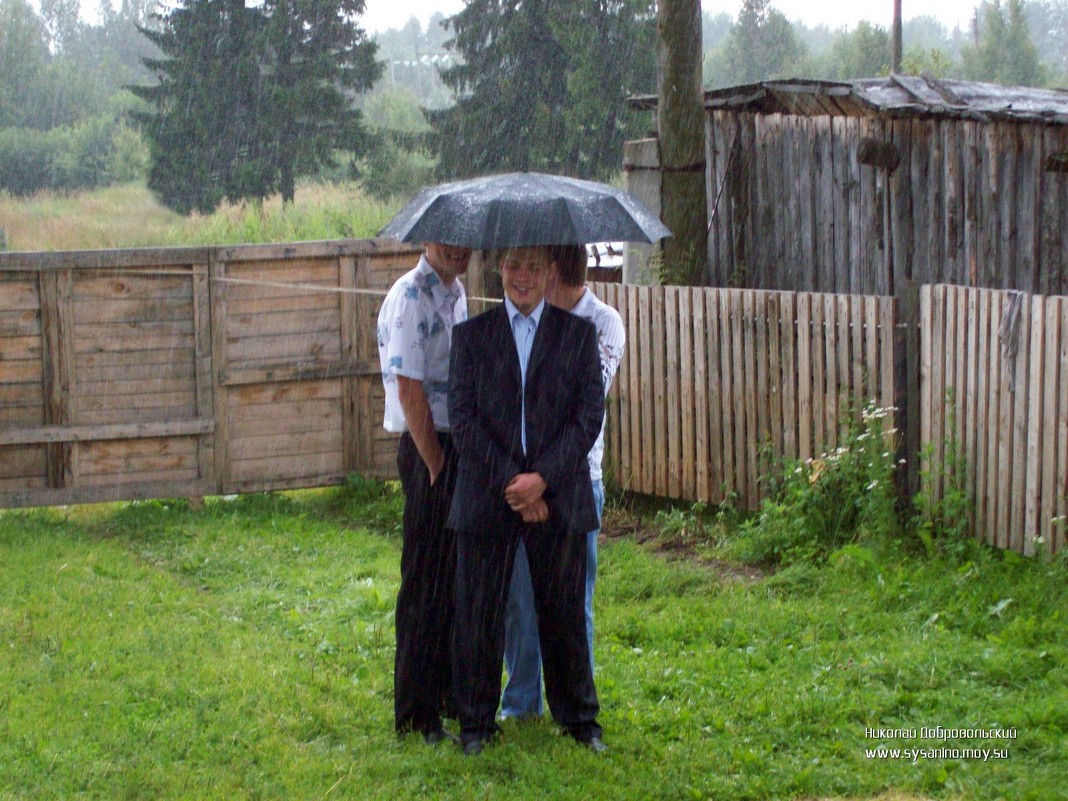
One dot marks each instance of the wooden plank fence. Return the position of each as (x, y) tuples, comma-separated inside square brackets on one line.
[(185, 372), (994, 386), (195, 371), (720, 385)]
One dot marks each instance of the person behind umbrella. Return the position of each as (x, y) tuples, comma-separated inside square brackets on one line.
[(526, 404), (522, 655), (415, 328)]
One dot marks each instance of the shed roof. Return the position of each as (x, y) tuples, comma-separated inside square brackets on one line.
[(895, 96)]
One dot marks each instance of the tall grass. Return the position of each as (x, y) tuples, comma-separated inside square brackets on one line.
[(244, 650), (129, 216)]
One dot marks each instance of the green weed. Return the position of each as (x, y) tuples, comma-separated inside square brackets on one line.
[(685, 526), (824, 503), (944, 521)]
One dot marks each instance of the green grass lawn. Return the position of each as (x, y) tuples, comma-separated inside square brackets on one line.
[(244, 651)]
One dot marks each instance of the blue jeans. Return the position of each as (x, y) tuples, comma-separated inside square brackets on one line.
[(522, 655)]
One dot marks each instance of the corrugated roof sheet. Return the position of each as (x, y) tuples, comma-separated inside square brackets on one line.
[(896, 96)]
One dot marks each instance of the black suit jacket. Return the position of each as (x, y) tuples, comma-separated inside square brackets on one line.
[(565, 407)]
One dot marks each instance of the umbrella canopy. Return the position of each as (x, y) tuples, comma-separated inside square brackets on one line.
[(523, 209)]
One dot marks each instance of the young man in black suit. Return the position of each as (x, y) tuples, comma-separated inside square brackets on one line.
[(526, 402)]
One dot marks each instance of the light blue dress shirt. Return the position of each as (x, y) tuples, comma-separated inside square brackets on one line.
[(523, 329)]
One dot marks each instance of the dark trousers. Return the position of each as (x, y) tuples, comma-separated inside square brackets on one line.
[(558, 574), (422, 674)]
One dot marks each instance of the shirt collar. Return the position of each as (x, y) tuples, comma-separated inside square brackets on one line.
[(534, 315), (584, 301)]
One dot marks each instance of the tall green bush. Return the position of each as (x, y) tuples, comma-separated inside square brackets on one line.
[(26, 159), (827, 502), (94, 152)]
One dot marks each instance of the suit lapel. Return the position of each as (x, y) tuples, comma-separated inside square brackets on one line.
[(504, 338), (544, 340)]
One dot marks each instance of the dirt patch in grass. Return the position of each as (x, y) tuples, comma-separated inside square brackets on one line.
[(619, 523)]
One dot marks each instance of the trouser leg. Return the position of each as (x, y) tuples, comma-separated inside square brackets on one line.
[(483, 573), (522, 654), (591, 563), (422, 675), (558, 574)]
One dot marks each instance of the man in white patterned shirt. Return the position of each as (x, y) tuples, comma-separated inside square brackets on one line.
[(522, 695), (414, 339)]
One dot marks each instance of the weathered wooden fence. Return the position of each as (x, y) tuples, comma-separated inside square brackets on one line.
[(131, 374), (994, 387), (973, 200), (195, 371), (718, 385)]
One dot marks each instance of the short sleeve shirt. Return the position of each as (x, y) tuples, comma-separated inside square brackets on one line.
[(414, 337), (611, 340)]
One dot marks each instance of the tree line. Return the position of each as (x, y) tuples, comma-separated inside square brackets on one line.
[(1013, 42), (216, 100), (65, 119)]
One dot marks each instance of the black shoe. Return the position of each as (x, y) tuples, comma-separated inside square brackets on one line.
[(474, 747), (435, 736), (595, 745)]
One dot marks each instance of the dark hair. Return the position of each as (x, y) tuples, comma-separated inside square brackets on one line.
[(570, 264)]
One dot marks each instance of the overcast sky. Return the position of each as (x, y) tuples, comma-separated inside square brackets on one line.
[(384, 14)]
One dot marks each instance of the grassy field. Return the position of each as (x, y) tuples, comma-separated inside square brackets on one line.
[(129, 216), (244, 650)]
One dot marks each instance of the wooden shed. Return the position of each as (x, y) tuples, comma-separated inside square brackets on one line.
[(865, 186)]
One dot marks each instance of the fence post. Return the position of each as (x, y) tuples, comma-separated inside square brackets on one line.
[(907, 388), (57, 355), (204, 374), (351, 446), (217, 269)]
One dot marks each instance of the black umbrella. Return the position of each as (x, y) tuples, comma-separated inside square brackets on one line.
[(524, 209)]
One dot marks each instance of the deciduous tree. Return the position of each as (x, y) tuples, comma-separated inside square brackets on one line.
[(761, 45), (23, 57), (863, 52), (1005, 53), (1048, 25)]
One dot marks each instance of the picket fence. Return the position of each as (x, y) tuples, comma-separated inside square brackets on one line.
[(994, 385), (718, 386)]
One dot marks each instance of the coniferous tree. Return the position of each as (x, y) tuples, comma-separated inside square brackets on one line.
[(203, 118), (315, 62), (248, 98), (543, 85), (611, 55)]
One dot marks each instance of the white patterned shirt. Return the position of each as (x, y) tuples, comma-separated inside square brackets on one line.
[(611, 340), (414, 337)]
